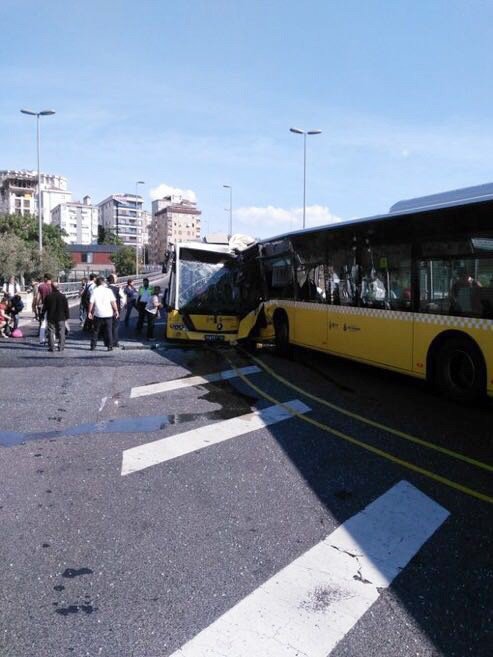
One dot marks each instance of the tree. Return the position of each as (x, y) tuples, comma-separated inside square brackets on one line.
[(21, 256), (124, 260), (106, 236)]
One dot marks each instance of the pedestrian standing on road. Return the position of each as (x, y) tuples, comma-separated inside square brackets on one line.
[(16, 306), (57, 313), (131, 293), (82, 306), (102, 309), (120, 304), (145, 293), (34, 302), (84, 300), (44, 289), (152, 309), (11, 287)]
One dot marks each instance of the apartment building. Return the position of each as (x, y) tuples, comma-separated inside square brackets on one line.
[(78, 220), (122, 214), (19, 192), (146, 225), (174, 220)]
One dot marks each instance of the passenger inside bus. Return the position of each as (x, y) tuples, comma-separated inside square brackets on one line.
[(332, 286), (465, 295)]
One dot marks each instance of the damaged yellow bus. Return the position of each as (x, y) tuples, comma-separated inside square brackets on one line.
[(411, 290), (206, 296)]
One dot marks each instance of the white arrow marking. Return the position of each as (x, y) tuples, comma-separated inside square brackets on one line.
[(159, 451), (309, 606), (186, 382)]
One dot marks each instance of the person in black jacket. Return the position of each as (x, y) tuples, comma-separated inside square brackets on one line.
[(57, 312)]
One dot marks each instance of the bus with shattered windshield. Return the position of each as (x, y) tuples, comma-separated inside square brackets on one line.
[(410, 291), (208, 294)]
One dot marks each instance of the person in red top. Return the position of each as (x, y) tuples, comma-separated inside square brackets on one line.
[(44, 289), (4, 318)]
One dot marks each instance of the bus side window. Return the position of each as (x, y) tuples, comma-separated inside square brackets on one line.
[(279, 279), (346, 289), (457, 286), (332, 282), (310, 284), (386, 281), (343, 271)]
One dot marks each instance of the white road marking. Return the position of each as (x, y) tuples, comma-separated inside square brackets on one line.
[(186, 382), (159, 451), (103, 402), (309, 606)]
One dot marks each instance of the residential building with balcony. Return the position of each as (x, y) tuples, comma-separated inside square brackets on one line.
[(19, 192), (174, 220), (122, 214), (78, 220)]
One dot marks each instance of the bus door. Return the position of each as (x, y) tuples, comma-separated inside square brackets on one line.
[(370, 304), (310, 321), (379, 328)]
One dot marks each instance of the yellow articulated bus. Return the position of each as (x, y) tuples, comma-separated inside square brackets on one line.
[(205, 296), (411, 291)]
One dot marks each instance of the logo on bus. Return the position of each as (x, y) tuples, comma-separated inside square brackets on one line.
[(350, 327)]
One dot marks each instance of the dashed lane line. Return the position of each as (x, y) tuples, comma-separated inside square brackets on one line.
[(308, 607), (166, 449), (186, 382)]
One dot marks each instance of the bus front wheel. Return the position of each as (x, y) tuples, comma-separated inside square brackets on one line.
[(281, 327), (460, 370)]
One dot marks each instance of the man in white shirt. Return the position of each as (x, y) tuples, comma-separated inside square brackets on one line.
[(102, 309), (11, 287)]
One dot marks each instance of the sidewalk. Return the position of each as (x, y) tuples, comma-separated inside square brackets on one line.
[(26, 317), (128, 340)]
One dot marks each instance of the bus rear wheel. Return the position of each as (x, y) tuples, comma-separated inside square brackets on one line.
[(281, 327), (460, 371)]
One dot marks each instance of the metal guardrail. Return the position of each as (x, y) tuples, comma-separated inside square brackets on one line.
[(71, 290)]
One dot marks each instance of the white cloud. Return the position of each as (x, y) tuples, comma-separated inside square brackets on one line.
[(288, 219), (163, 190)]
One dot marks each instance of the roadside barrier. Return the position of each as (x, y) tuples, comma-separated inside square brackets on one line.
[(72, 289)]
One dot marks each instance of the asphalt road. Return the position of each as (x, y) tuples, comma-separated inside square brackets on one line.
[(96, 562)]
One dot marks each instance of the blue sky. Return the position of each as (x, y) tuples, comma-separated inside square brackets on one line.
[(194, 94)]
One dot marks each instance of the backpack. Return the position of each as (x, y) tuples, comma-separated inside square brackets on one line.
[(17, 333), (86, 295), (116, 293), (17, 303)]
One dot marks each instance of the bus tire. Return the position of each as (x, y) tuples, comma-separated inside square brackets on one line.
[(460, 370), (281, 327)]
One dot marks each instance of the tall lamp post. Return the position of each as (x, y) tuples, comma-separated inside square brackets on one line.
[(304, 133), (230, 208), (139, 182), (40, 220)]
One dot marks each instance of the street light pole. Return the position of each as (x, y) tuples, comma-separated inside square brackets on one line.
[(230, 208), (40, 220), (139, 182), (304, 133)]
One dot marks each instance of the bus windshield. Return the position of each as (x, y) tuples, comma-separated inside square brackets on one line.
[(206, 282)]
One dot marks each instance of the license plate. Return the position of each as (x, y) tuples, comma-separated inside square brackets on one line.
[(214, 338)]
